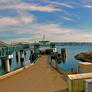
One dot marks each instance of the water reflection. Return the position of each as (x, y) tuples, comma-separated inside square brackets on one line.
[(14, 62), (70, 61)]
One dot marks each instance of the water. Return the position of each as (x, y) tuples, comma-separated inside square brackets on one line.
[(71, 51), (15, 65), (70, 62)]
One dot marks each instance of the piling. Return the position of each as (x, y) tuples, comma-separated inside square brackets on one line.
[(63, 53), (30, 56), (10, 59), (17, 57), (3, 61), (7, 66), (22, 58)]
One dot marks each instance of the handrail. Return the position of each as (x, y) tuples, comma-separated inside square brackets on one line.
[(5, 51)]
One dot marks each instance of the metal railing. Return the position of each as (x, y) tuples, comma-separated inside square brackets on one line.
[(5, 51)]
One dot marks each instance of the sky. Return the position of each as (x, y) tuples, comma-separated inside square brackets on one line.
[(58, 20)]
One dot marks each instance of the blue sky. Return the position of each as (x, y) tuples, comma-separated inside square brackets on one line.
[(58, 20)]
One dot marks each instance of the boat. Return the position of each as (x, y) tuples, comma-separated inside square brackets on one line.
[(44, 47)]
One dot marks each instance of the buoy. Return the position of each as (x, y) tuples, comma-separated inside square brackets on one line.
[(75, 72), (71, 69)]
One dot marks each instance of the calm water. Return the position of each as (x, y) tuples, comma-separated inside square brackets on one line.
[(71, 51), (14, 65), (70, 62)]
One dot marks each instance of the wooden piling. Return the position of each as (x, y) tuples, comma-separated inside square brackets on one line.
[(7, 66), (3, 64), (17, 57), (63, 53), (22, 58)]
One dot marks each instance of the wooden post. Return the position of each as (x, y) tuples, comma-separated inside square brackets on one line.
[(10, 57), (7, 65), (17, 57), (63, 53), (22, 58), (3, 64), (30, 56)]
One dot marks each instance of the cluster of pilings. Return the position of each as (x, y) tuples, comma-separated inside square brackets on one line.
[(63, 54), (59, 57), (7, 61)]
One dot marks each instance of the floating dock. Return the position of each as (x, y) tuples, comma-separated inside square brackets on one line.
[(40, 77)]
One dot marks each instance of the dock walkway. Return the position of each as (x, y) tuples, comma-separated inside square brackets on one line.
[(40, 77)]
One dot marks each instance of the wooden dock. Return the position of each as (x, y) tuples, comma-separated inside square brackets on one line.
[(40, 77)]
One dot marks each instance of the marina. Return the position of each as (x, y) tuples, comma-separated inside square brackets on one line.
[(45, 45), (43, 63)]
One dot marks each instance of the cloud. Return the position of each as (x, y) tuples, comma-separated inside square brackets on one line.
[(53, 32), (44, 29), (20, 40), (30, 7), (72, 37), (19, 20), (87, 6), (86, 1), (24, 26), (66, 18), (9, 1), (8, 21), (60, 4)]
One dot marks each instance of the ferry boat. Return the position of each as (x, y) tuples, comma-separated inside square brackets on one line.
[(44, 47)]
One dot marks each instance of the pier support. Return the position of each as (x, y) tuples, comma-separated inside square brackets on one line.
[(3, 65), (22, 58), (30, 56), (63, 53), (7, 66), (17, 57), (10, 59)]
